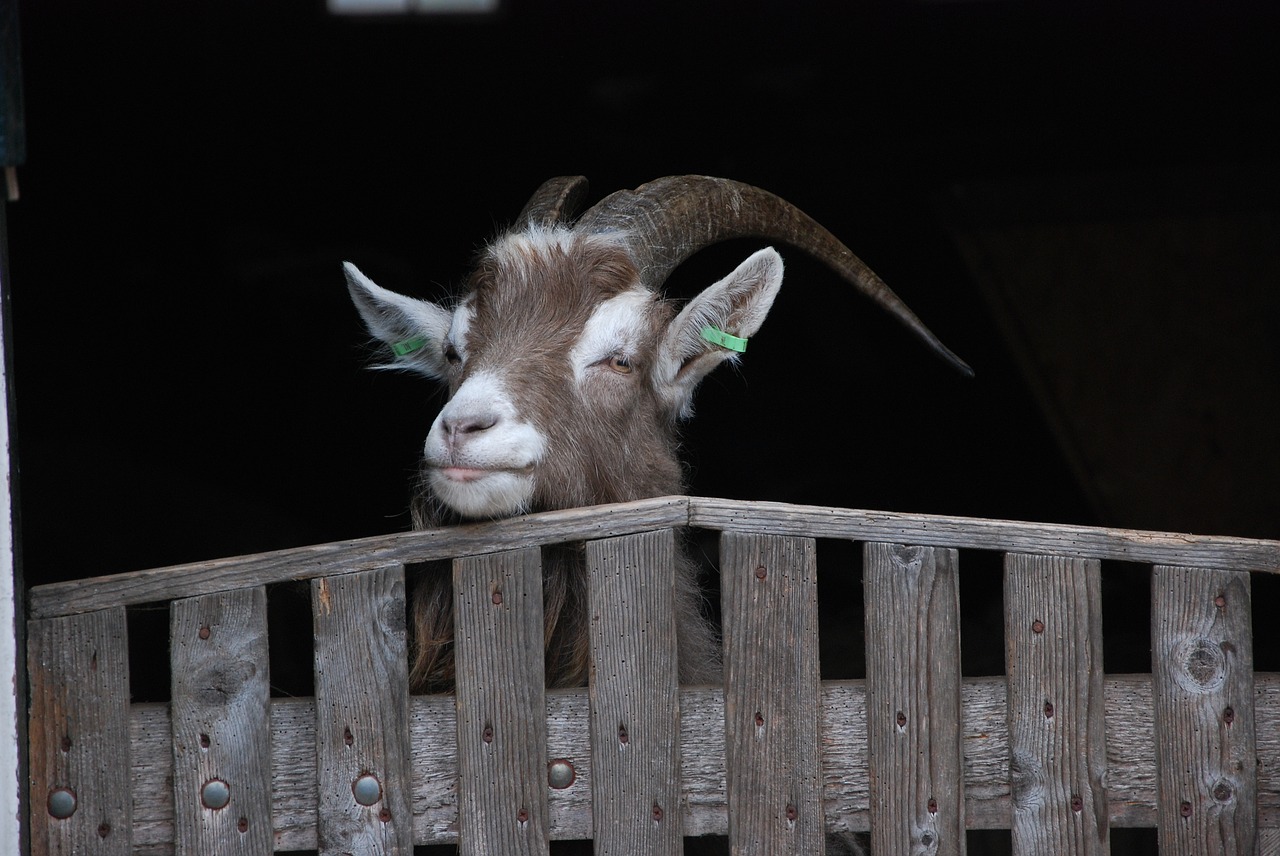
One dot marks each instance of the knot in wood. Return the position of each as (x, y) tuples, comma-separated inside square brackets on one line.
[(907, 558), (1199, 665), (1027, 782), (219, 684)]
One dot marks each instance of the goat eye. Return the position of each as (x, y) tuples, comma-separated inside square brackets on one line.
[(451, 354), (620, 364)]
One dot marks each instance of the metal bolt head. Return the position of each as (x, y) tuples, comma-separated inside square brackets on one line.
[(62, 803), (560, 774), (367, 789), (215, 794)]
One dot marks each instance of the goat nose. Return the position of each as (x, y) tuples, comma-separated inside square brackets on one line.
[(457, 428)]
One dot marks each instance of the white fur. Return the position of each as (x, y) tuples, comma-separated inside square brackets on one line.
[(737, 305), (487, 472), (612, 330), (461, 326)]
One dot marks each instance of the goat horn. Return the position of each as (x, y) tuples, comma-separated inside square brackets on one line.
[(555, 201), (672, 218)]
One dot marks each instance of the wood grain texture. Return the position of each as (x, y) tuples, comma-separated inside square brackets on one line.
[(932, 530), (1202, 669), (578, 524), (634, 689), (221, 721), (1057, 728), (318, 560), (78, 669), (1131, 787), (772, 698), (916, 763), (502, 729), (362, 712)]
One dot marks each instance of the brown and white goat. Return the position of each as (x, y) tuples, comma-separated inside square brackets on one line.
[(568, 373)]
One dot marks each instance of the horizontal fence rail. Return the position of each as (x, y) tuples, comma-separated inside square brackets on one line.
[(1055, 751)]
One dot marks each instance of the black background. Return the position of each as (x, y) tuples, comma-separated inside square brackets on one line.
[(189, 373)]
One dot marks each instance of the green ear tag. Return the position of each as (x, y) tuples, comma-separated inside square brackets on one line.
[(408, 346), (719, 337)]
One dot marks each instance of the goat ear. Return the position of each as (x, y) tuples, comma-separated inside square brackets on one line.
[(412, 328), (736, 305)]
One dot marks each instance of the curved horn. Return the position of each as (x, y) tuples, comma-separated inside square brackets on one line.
[(555, 201), (672, 218)]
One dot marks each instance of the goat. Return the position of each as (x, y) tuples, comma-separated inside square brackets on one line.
[(569, 372)]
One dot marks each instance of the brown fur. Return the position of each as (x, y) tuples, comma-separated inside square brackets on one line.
[(530, 307)]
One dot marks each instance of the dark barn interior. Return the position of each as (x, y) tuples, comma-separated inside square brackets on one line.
[(1080, 199)]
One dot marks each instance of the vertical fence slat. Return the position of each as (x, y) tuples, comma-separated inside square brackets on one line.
[(1202, 672), (221, 716), (1057, 737), (502, 726), (362, 713), (770, 617), (79, 734), (635, 705), (913, 699)]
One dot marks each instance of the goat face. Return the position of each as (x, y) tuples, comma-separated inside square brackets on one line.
[(567, 374), (567, 369)]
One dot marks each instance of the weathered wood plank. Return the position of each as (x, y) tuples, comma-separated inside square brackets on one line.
[(162, 584), (912, 595), (362, 713), (1202, 669), (221, 723), (635, 714), (502, 732), (310, 562), (78, 669), (932, 530), (1057, 730), (1131, 788), (772, 699)]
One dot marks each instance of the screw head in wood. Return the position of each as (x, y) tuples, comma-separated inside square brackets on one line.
[(62, 803), (560, 774), (215, 794), (367, 789)]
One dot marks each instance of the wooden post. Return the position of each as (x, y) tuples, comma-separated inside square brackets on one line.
[(362, 713), (221, 717), (913, 700), (774, 769), (502, 709), (635, 705), (1057, 737), (1202, 672), (79, 721)]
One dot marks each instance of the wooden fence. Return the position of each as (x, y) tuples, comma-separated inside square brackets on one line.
[(1055, 750)]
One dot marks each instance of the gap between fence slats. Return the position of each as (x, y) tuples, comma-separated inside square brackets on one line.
[(1057, 730), (916, 763), (221, 723), (772, 703), (635, 713), (1202, 670), (1131, 788), (502, 732), (78, 670), (362, 713)]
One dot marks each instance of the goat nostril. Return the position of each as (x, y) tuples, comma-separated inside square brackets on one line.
[(469, 425)]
